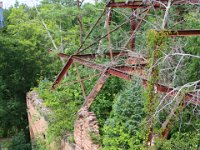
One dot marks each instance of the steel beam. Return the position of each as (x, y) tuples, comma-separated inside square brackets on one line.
[(132, 5), (98, 86), (184, 33), (178, 2), (133, 24), (92, 56), (63, 72), (156, 4), (190, 97), (115, 71)]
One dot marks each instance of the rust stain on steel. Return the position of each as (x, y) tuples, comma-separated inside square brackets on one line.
[(91, 56), (119, 73), (88, 63), (124, 75), (133, 24), (184, 33), (132, 5), (112, 71), (167, 125), (134, 69), (63, 72), (189, 97), (185, 2), (165, 133), (140, 4), (96, 89), (136, 60)]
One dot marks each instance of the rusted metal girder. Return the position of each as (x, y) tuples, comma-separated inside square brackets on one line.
[(92, 56), (63, 72), (184, 33), (191, 98), (156, 4), (132, 5), (112, 71), (133, 24), (96, 89)]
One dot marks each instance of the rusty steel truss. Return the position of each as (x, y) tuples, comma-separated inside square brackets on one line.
[(156, 4), (137, 65)]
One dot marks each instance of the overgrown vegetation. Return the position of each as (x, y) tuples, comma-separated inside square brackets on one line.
[(127, 113), (122, 129)]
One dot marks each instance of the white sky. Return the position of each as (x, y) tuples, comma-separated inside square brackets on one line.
[(8, 3)]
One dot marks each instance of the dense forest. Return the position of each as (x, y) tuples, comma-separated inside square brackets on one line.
[(127, 112)]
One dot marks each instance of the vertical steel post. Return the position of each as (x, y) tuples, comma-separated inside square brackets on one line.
[(133, 24)]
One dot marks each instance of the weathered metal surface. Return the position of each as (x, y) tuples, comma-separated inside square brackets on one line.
[(96, 89), (130, 4), (133, 24), (115, 71), (184, 33), (136, 60), (92, 56), (141, 4), (189, 97), (178, 107), (63, 72)]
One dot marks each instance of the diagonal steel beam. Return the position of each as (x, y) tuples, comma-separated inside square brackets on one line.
[(191, 98), (96, 89), (112, 71), (63, 72)]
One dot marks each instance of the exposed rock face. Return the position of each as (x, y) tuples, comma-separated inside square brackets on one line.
[(37, 123), (85, 125)]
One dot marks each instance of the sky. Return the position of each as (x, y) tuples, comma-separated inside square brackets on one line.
[(8, 3)]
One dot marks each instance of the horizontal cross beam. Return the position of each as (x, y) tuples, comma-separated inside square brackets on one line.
[(156, 4), (191, 98), (112, 71), (184, 33), (92, 56)]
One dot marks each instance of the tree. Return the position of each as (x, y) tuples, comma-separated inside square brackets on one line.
[(121, 129)]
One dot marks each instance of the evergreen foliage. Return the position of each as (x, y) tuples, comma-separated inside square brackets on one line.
[(121, 128), (122, 111)]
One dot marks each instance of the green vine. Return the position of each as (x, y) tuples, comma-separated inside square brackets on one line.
[(156, 42)]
